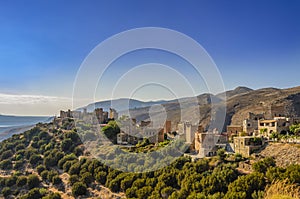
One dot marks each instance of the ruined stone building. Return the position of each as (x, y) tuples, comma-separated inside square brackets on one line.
[(246, 145), (278, 124), (98, 116), (64, 114), (101, 115), (132, 132), (208, 143), (186, 131), (234, 130), (124, 139), (250, 124), (167, 127), (113, 114)]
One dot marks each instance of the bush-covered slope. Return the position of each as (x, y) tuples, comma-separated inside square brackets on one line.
[(49, 161)]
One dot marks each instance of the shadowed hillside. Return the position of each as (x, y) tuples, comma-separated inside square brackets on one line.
[(239, 102)]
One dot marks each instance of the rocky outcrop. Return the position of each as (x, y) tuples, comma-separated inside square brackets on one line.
[(284, 154), (239, 102)]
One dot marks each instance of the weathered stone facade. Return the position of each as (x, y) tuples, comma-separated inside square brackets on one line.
[(246, 145), (207, 143), (187, 131), (278, 125), (113, 114)]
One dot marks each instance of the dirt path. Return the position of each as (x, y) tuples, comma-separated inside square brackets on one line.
[(105, 193), (62, 194)]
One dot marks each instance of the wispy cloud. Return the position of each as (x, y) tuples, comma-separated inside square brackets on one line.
[(15, 104), (30, 99)]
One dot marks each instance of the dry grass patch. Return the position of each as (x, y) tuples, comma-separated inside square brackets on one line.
[(282, 190)]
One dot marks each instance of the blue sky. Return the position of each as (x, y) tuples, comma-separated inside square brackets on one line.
[(43, 43)]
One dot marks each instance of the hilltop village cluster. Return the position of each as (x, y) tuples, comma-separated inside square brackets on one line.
[(256, 130), (99, 116)]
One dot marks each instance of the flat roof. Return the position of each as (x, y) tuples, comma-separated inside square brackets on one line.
[(265, 121)]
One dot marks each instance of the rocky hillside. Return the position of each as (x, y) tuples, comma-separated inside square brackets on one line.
[(239, 102), (237, 91), (284, 154), (285, 101)]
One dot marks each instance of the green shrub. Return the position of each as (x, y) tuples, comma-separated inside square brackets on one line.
[(6, 154), (74, 169), (51, 174), (20, 147), (78, 151), (10, 181), (34, 159), (52, 196), (144, 192), (67, 145), (87, 178), (49, 161), (29, 152), (21, 181), (66, 158), (101, 177), (44, 174), (79, 188), (17, 173), (43, 191), (167, 191), (6, 165), (6, 191), (33, 181), (19, 156), (73, 179), (263, 165), (67, 166), (56, 180), (43, 135), (40, 169), (73, 136), (18, 164), (32, 194)]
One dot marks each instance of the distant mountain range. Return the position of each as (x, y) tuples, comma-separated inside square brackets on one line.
[(121, 104), (126, 103), (239, 102)]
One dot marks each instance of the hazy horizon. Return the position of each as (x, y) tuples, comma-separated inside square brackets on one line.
[(156, 100)]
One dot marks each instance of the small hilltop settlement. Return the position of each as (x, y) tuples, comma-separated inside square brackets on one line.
[(255, 133)]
